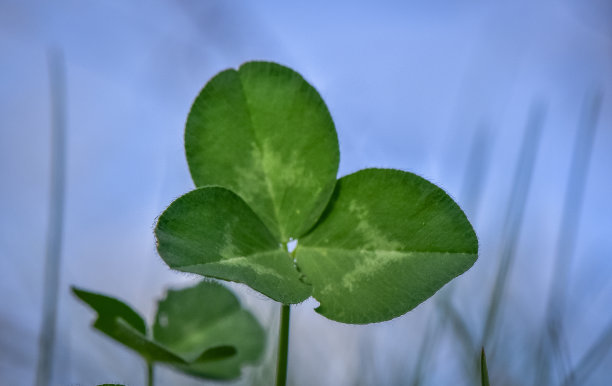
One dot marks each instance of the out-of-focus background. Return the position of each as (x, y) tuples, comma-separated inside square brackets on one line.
[(506, 105)]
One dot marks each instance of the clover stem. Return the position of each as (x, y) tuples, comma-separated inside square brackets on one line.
[(149, 373), (283, 346)]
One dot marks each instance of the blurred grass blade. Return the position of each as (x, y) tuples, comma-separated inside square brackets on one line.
[(57, 78), (476, 168), (553, 338), (461, 330), (591, 359), (432, 333), (471, 190), (515, 213), (484, 373)]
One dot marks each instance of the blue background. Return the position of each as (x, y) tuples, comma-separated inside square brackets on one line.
[(411, 85)]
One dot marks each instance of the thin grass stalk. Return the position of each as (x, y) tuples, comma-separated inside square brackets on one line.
[(521, 185), (432, 333), (367, 365), (592, 358), (484, 372), (265, 372), (553, 336), (461, 330), (283, 346), (57, 78), (283, 338), (470, 193), (476, 169), (150, 374)]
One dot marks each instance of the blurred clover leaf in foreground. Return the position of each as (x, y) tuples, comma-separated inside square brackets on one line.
[(201, 330), (263, 152)]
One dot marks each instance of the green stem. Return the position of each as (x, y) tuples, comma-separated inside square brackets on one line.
[(283, 346), (149, 373)]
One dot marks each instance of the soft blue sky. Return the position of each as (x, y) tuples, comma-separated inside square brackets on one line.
[(408, 85)]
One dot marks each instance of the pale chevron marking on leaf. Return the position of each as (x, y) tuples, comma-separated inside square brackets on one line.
[(372, 261), (373, 238), (238, 262), (229, 247), (257, 155)]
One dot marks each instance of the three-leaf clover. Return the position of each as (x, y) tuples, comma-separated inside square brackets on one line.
[(263, 152), (201, 330)]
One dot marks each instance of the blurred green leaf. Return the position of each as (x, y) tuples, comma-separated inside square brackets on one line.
[(118, 321), (484, 373), (387, 242), (111, 308), (206, 329), (184, 325), (213, 232), (265, 133)]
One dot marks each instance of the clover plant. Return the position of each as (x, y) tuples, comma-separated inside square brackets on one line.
[(263, 153), (202, 330)]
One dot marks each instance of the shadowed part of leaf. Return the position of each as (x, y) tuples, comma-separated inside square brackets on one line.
[(217, 353)]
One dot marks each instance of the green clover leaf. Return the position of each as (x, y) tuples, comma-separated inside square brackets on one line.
[(264, 133), (263, 151), (225, 337), (388, 241)]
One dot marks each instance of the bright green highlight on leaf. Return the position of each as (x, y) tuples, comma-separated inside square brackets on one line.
[(371, 246), (230, 337), (379, 252), (263, 132)]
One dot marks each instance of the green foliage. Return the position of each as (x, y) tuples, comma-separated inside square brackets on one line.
[(484, 373), (371, 246), (265, 134), (212, 232), (208, 315), (200, 330), (371, 259)]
